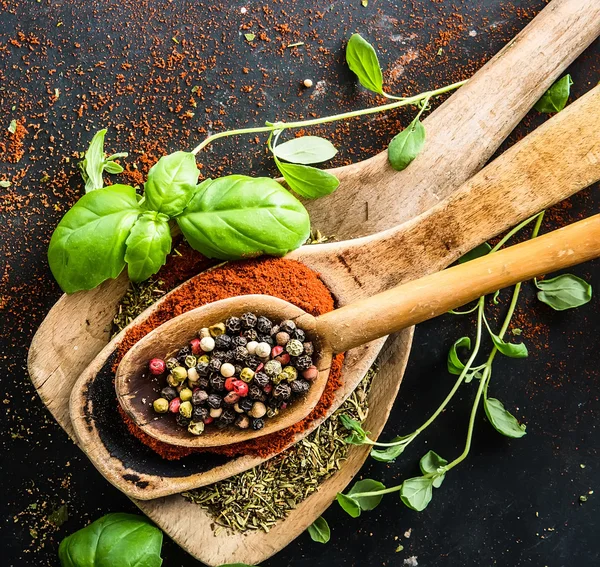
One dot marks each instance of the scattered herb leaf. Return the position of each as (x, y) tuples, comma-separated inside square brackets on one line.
[(431, 463), (309, 182), (455, 366), (416, 492), (319, 530), (305, 150), (362, 60), (502, 420), (12, 127), (556, 97), (249, 36), (564, 292), (406, 145)]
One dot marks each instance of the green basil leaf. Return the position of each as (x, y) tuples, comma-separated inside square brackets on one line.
[(556, 97), (240, 217), (115, 539), (406, 145), (564, 292), (93, 164), (455, 366), (416, 492), (88, 245), (171, 183), (359, 435), (430, 463), (478, 252), (369, 502), (349, 505), (308, 182), (362, 60), (509, 349), (502, 420), (389, 454), (319, 530), (147, 246), (305, 150), (112, 167), (118, 155)]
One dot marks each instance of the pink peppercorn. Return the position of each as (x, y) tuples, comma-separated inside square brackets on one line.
[(195, 345), (208, 420), (259, 367), (157, 366), (276, 351), (240, 388), (283, 358), (231, 398), (310, 373), (229, 383), (267, 389), (174, 405)]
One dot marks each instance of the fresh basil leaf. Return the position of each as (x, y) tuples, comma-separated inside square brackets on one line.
[(389, 454), (305, 150), (430, 463), (115, 539), (556, 97), (319, 530), (355, 426), (478, 252), (238, 217), (509, 349), (308, 182), (416, 492), (93, 163), (147, 246), (362, 60), (369, 502), (88, 245), (502, 420), (12, 127), (455, 366), (171, 183), (349, 505), (406, 145), (564, 292), (112, 167)]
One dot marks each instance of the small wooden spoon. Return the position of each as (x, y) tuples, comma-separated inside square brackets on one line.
[(346, 328)]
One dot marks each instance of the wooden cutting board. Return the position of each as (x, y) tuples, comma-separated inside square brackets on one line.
[(564, 29)]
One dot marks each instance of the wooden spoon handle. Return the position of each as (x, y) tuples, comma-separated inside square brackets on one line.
[(465, 131), (411, 303)]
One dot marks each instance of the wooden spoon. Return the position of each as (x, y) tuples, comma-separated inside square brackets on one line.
[(346, 328)]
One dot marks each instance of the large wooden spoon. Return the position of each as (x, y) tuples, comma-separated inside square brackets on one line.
[(345, 328)]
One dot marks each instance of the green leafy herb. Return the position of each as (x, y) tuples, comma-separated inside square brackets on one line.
[(308, 182), (88, 245), (115, 539), (564, 292), (94, 163), (12, 127), (364, 3), (171, 183), (305, 150), (478, 252), (59, 516), (349, 505), (319, 530), (416, 492), (147, 246), (362, 60), (406, 145), (5, 184), (556, 97), (455, 366), (391, 453), (502, 420), (239, 216), (360, 493), (358, 433), (432, 463), (249, 36), (508, 349)]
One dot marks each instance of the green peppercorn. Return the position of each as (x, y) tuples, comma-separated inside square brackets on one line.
[(294, 347), (160, 405), (247, 374), (185, 395), (186, 409), (179, 373), (204, 359), (272, 412), (172, 381), (281, 377), (190, 361), (216, 330), (290, 372), (272, 368), (196, 427), (172, 363)]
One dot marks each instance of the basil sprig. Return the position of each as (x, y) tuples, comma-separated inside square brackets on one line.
[(95, 163)]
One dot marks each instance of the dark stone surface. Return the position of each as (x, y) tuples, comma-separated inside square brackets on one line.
[(512, 502)]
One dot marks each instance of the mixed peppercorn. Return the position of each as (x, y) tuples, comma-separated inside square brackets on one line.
[(240, 373)]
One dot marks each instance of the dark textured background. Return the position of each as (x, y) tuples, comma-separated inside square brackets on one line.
[(513, 502)]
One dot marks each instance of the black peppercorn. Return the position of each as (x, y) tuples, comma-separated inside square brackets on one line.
[(240, 353), (282, 391), (215, 401), (168, 393), (252, 361), (266, 339), (215, 364), (182, 421), (299, 386), (228, 416), (199, 413), (287, 326), (250, 334), (233, 324), (238, 369), (246, 404), (258, 424), (229, 356), (274, 330), (222, 342), (255, 392), (263, 325), (202, 368), (299, 334), (218, 354), (309, 348), (303, 362), (199, 397), (184, 351), (172, 363), (203, 382), (274, 403), (217, 382), (248, 320), (261, 379), (238, 341)]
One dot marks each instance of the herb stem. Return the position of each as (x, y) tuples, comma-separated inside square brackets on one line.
[(270, 127)]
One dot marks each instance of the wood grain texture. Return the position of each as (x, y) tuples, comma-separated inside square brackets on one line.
[(54, 369)]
